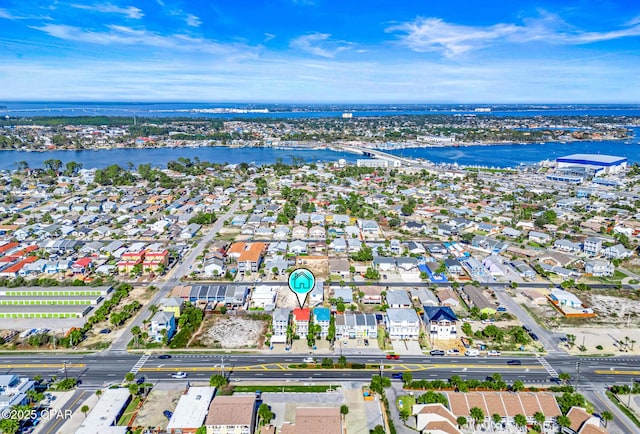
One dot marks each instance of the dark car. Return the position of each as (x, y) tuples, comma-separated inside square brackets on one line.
[(533, 336), (526, 328), (140, 380), (437, 352), (164, 356), (167, 414), (393, 356), (397, 375), (105, 331), (514, 362)]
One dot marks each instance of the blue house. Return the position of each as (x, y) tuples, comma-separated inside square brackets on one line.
[(322, 317), (162, 321)]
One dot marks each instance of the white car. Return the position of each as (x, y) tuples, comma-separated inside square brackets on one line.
[(179, 375), (453, 352), (308, 360), (494, 353)]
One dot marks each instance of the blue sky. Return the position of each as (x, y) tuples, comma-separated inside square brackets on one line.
[(321, 51)]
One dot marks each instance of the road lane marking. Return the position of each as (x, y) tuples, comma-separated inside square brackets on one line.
[(43, 365), (615, 372)]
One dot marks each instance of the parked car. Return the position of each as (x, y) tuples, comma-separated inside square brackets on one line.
[(105, 331), (167, 414), (436, 352), (472, 352), (164, 356), (526, 328), (179, 375), (393, 356), (453, 352)]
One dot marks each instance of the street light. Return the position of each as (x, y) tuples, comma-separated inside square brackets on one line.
[(577, 375), (64, 364)]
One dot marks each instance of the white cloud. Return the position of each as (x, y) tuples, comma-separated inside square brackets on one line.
[(319, 44), (122, 35), (193, 21), (268, 37), (108, 8), (436, 35), (6, 14)]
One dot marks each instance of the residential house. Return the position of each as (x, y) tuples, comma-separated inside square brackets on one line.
[(539, 237), (617, 251), (567, 246), (13, 390), (592, 246), (162, 321), (340, 267), (369, 226), (191, 411), (155, 260), (214, 267), (398, 299), (322, 317), (583, 422), (383, 263), (173, 305), (475, 298), (440, 322), (402, 324), (448, 297), (317, 233), (301, 322), (406, 264), (356, 325), (248, 255), (454, 267), (190, 231), (279, 325), (424, 296), (315, 420), (599, 268), (298, 247)]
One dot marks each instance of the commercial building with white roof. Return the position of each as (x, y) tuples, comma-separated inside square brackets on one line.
[(103, 417), (191, 410)]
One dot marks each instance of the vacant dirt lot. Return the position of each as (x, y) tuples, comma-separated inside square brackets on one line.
[(150, 415), (232, 332)]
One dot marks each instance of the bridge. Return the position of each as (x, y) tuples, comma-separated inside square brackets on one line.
[(374, 153)]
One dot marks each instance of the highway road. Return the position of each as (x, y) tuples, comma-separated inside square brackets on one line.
[(172, 279), (98, 370)]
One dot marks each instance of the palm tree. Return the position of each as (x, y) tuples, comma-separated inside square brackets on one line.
[(129, 377), (606, 417), (539, 417), (84, 409), (462, 421), (496, 418), (520, 420), (477, 415), (99, 393), (563, 421)]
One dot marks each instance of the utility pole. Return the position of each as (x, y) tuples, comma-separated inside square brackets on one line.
[(65, 369), (222, 365), (577, 375)]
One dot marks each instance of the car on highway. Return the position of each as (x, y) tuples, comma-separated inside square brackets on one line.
[(308, 360), (397, 375), (436, 352), (393, 356), (453, 352), (472, 352), (526, 328), (533, 336), (514, 362), (494, 353), (179, 375), (167, 414), (164, 356), (140, 380)]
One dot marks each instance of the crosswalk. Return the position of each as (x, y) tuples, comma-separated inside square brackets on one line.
[(547, 366), (140, 363)]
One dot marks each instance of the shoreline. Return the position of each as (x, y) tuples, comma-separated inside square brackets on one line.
[(331, 147)]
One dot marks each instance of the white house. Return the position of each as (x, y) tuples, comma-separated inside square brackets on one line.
[(402, 324), (599, 268)]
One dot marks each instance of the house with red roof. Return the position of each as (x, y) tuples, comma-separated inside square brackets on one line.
[(301, 321)]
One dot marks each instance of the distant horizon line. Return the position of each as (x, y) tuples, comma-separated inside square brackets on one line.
[(55, 101)]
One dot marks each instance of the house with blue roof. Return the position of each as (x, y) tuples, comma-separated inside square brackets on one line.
[(440, 322), (322, 317)]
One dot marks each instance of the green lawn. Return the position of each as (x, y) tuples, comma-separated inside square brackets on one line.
[(407, 401), (128, 413)]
